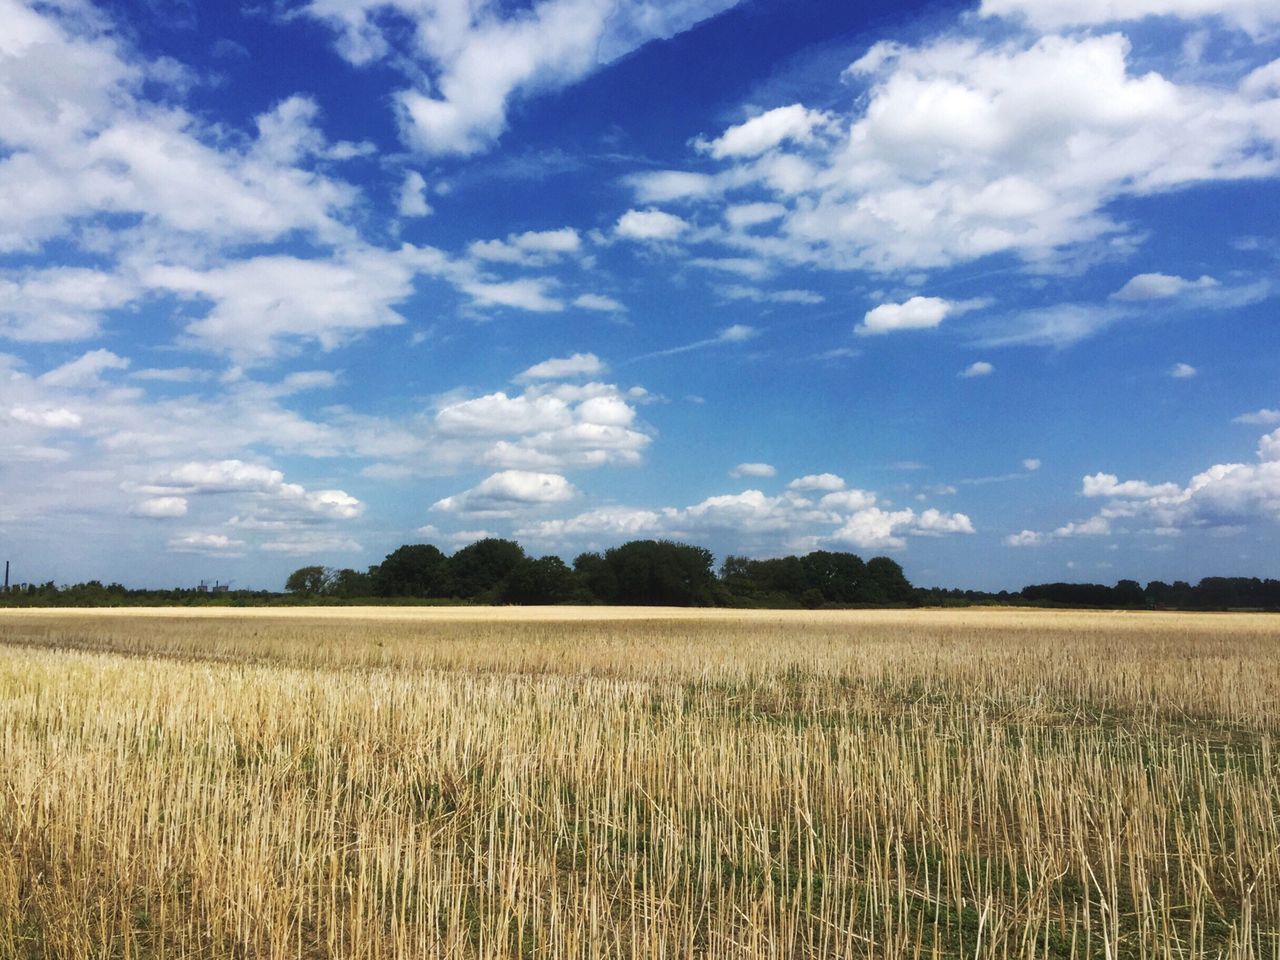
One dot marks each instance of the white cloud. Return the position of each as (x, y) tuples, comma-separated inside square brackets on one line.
[(610, 522), (509, 492), (267, 304), (225, 477), (1182, 371), (1264, 417), (1025, 538), (1251, 16), (1224, 497), (792, 123), (162, 507), (85, 370), (850, 501), (1098, 526), (753, 470), (1057, 326), (413, 196), (309, 544), (979, 368), (1161, 286), (210, 543), (1031, 463), (562, 368), (743, 216), (59, 303), (737, 333), (533, 248), (596, 301), (527, 293), (755, 520), (475, 58), (817, 481), (59, 418), (548, 426), (918, 313), (650, 225), (756, 295), (663, 186), (1109, 485), (1093, 527), (962, 147), (933, 522)]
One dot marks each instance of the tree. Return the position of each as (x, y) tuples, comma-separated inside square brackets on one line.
[(840, 577), (349, 584), (413, 570), (888, 583), (545, 580), (596, 576), (478, 571), (663, 572), (309, 581)]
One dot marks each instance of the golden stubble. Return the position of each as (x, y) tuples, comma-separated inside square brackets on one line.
[(484, 783)]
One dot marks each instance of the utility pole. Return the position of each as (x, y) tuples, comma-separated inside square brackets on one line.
[(6, 576)]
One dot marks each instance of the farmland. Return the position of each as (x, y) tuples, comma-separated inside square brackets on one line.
[(621, 782)]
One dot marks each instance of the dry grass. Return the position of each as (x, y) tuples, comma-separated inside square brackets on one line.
[(471, 783)]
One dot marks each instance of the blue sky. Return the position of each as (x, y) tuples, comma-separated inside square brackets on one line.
[(990, 288)]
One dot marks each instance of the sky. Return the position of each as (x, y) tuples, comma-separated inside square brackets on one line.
[(987, 288)]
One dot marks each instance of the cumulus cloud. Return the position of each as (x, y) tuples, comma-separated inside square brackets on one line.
[(201, 478), (917, 313), (266, 304), (753, 470), (1161, 286), (527, 293), (507, 493), (82, 139), (1182, 371), (1098, 526), (162, 507), (962, 147), (1031, 463), (1223, 497), (756, 520), (979, 368), (547, 426), (533, 247), (413, 196), (562, 368), (1264, 417), (57, 418), (793, 123), (648, 225), (817, 481)]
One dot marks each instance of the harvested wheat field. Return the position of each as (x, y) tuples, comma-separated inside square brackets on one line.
[(565, 783)]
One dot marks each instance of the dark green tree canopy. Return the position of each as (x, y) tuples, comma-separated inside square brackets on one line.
[(313, 580), (663, 572), (414, 570), (479, 570), (541, 581)]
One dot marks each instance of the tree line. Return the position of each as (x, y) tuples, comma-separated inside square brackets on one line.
[(658, 573), (641, 572)]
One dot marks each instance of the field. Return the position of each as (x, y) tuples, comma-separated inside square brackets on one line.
[(559, 783)]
